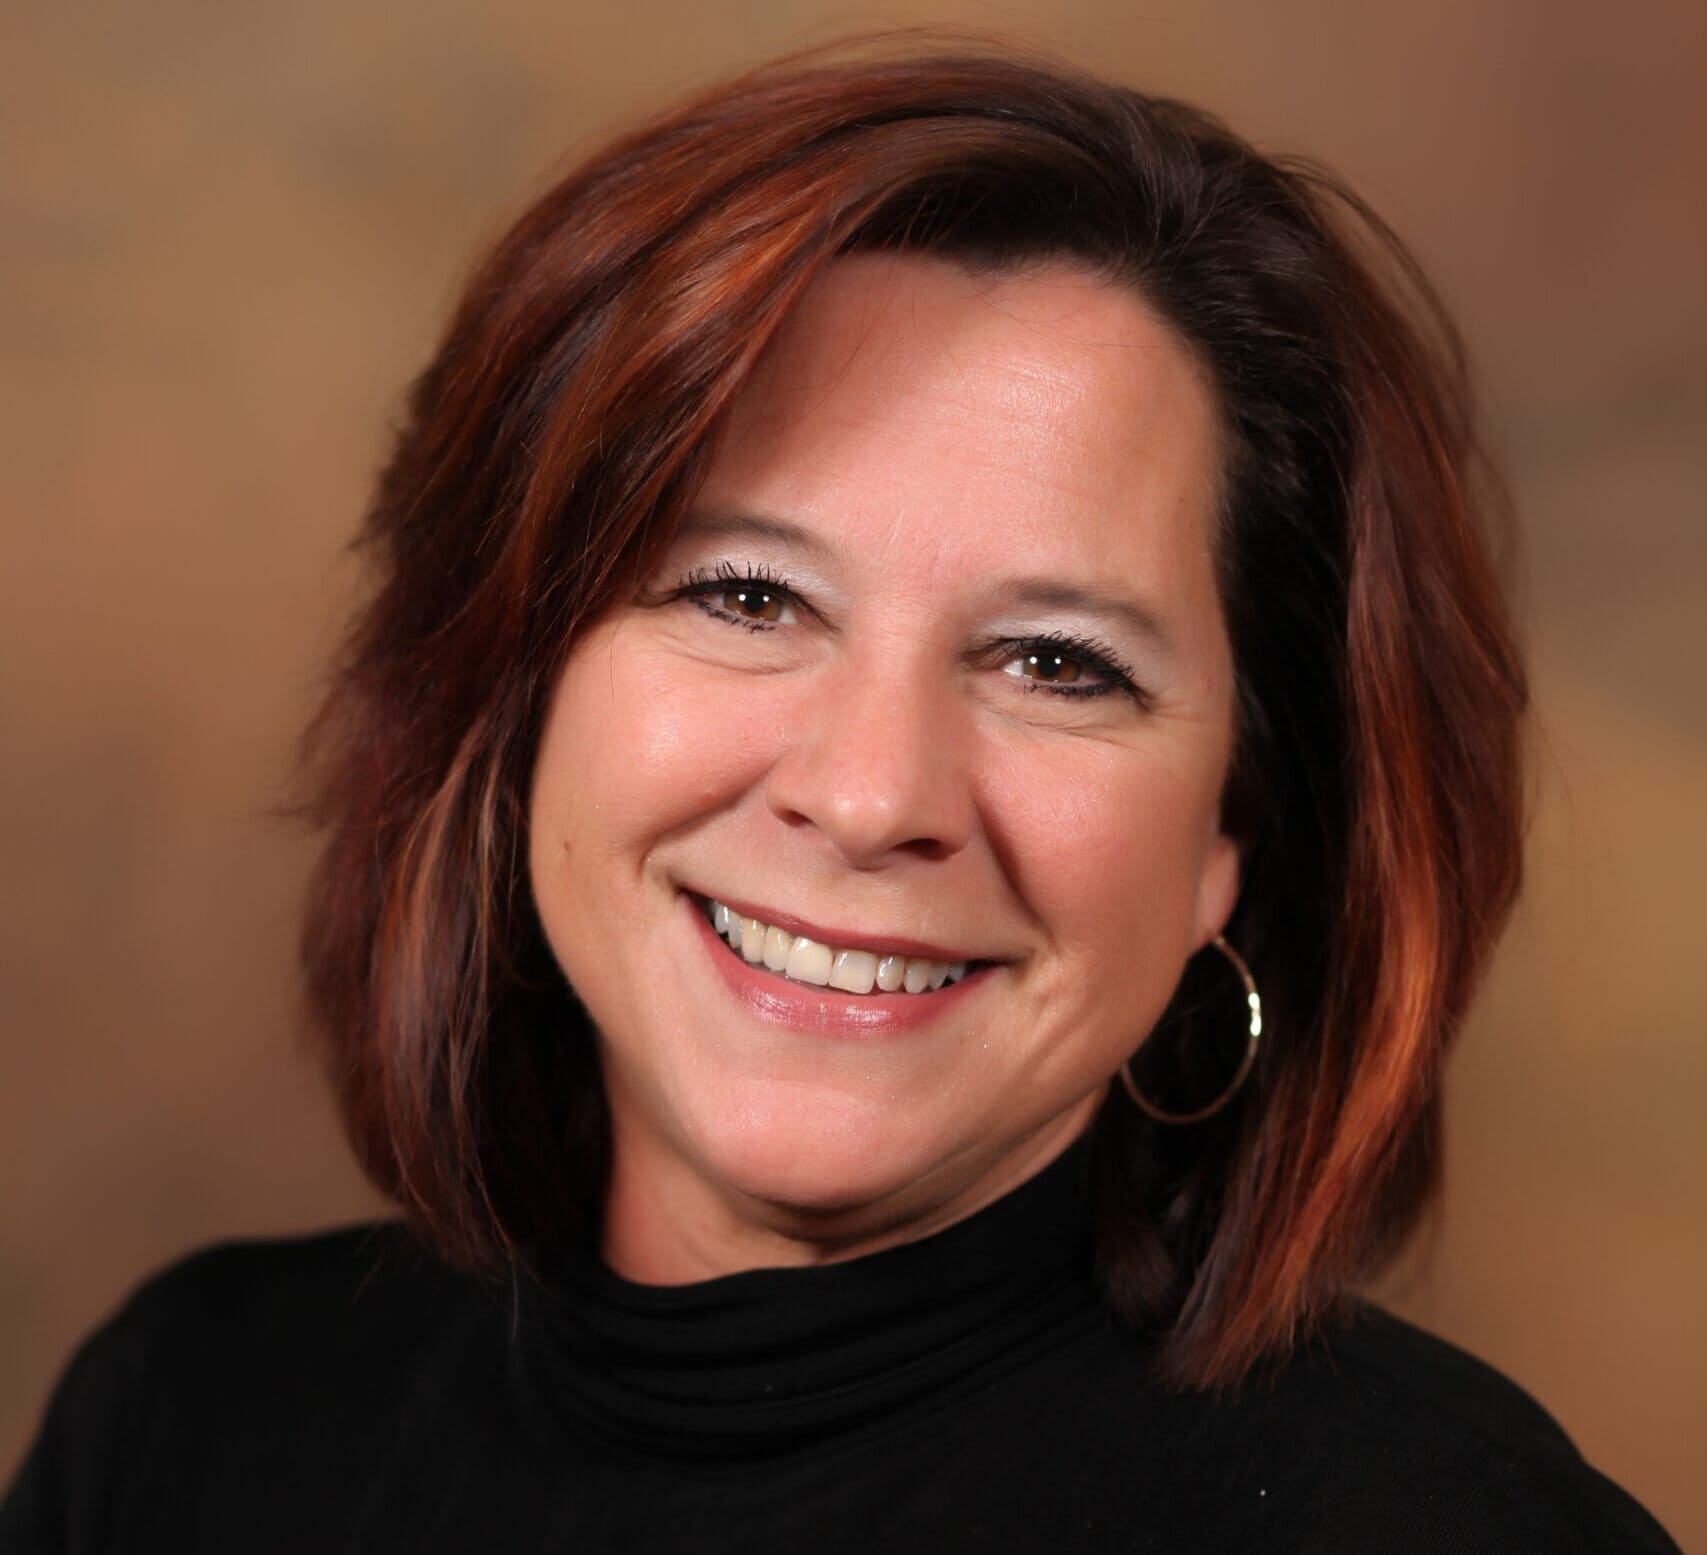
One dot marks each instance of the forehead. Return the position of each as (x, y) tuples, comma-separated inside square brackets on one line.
[(908, 398)]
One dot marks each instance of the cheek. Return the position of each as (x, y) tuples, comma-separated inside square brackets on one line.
[(1107, 844), (638, 748)]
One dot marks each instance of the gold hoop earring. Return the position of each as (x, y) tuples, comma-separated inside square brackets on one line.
[(1254, 1001)]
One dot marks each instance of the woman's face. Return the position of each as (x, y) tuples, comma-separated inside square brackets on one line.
[(889, 710)]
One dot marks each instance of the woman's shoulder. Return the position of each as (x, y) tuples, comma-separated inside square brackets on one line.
[(291, 1350), (369, 1261), (1401, 1423), (1397, 1369), (1375, 1435), (274, 1302)]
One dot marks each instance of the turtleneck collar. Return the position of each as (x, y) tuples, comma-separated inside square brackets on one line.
[(766, 1361)]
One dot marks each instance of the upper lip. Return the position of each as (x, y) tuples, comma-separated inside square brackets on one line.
[(842, 939)]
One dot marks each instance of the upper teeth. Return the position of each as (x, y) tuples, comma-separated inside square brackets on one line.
[(809, 961)]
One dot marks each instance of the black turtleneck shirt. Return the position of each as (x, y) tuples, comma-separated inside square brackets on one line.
[(965, 1392)]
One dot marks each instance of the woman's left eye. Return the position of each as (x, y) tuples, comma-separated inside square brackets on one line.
[(1069, 666)]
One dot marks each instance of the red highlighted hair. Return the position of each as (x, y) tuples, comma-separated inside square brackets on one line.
[(561, 429)]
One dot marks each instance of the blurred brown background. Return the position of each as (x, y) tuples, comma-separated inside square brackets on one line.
[(228, 234)]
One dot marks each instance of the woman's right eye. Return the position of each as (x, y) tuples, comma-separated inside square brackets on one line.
[(754, 599)]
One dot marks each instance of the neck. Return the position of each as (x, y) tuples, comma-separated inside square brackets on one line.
[(768, 1361)]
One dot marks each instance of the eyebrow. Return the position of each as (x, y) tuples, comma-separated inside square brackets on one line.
[(1014, 591), (756, 526), (1050, 594)]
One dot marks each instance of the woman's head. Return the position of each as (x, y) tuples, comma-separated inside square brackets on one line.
[(896, 739), (962, 324)]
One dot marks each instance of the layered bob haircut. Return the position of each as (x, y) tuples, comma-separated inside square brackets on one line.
[(565, 423)]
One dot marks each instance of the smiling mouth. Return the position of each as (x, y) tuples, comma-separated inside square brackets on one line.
[(798, 959)]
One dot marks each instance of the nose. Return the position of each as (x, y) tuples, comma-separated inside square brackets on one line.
[(877, 761)]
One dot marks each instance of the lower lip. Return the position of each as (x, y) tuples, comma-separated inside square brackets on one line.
[(827, 1012)]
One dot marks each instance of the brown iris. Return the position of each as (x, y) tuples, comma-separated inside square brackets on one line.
[(1057, 668), (764, 605)]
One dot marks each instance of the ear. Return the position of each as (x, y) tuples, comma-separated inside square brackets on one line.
[(1217, 889)]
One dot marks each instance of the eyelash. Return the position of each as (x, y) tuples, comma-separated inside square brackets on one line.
[(702, 582)]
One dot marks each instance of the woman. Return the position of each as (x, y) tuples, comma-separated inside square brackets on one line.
[(930, 770)]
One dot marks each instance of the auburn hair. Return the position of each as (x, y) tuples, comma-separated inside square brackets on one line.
[(565, 422)]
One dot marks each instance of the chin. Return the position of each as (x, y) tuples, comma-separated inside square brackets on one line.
[(828, 1154)]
